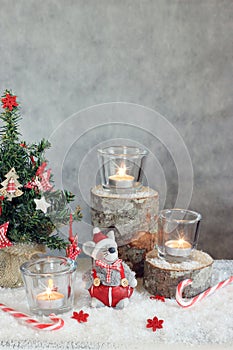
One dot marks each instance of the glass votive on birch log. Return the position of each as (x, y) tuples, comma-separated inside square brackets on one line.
[(178, 231), (49, 284), (121, 167)]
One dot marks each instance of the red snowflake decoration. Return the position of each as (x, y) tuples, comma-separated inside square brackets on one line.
[(9, 102), (154, 323), (80, 316), (158, 297)]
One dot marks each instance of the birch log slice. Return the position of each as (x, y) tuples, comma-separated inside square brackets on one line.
[(134, 218), (162, 277)]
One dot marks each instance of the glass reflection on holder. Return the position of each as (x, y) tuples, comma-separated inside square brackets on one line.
[(178, 231)]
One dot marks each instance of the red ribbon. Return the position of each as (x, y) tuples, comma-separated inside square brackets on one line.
[(72, 250)]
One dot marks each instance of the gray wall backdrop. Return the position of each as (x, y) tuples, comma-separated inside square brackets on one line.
[(174, 57)]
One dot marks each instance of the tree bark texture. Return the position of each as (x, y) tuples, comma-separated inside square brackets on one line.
[(133, 216), (162, 277)]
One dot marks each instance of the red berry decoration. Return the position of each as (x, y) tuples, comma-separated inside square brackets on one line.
[(154, 323)]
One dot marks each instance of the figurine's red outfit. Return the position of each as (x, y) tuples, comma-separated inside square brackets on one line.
[(111, 295)]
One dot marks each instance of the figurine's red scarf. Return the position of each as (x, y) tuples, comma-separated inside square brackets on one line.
[(117, 265)]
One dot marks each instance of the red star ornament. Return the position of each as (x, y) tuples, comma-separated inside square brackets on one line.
[(44, 184), (32, 185), (80, 316), (4, 241), (72, 250), (154, 323), (9, 102)]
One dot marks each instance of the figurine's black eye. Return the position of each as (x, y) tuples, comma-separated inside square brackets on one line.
[(112, 250)]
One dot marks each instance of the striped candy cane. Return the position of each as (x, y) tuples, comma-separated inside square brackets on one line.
[(57, 322), (187, 303)]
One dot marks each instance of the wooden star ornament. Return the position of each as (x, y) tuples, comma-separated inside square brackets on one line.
[(41, 204)]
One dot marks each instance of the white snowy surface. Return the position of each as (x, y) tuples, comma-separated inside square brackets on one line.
[(208, 323), (143, 192)]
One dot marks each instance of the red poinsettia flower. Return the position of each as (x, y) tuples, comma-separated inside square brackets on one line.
[(9, 102), (158, 297), (80, 316), (154, 323)]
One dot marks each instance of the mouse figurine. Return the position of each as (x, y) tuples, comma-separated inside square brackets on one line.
[(110, 282)]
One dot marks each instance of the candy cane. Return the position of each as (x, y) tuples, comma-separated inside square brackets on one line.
[(192, 301), (57, 322)]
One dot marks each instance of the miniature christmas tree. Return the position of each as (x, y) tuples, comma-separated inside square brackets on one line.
[(28, 200)]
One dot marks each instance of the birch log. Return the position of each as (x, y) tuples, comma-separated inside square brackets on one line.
[(134, 219), (162, 277)]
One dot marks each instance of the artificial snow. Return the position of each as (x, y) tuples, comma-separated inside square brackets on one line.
[(209, 322), (141, 193)]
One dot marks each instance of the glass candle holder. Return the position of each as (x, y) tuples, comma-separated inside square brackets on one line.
[(178, 231), (121, 167), (49, 284)]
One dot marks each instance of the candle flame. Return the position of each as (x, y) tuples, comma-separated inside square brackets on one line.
[(121, 170), (181, 242), (50, 287)]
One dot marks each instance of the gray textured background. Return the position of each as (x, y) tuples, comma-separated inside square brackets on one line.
[(174, 57)]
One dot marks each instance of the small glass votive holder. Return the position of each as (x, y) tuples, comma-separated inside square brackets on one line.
[(178, 231), (49, 283), (122, 167)]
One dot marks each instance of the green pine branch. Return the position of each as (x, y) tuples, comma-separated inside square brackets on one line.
[(26, 224)]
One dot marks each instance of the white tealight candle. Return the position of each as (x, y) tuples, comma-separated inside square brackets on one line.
[(178, 247), (50, 299), (125, 181), (53, 300), (121, 179)]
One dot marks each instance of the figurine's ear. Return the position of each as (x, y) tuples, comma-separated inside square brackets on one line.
[(88, 247), (111, 235)]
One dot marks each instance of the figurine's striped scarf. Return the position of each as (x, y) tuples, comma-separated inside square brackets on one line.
[(117, 265)]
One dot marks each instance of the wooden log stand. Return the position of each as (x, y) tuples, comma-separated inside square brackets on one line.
[(133, 216), (162, 277)]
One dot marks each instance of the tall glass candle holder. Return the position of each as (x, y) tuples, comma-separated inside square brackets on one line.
[(121, 167), (49, 284), (178, 231)]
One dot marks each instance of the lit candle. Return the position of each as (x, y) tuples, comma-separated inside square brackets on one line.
[(178, 247), (50, 299), (121, 179)]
